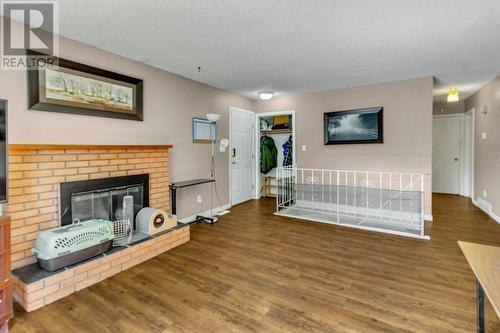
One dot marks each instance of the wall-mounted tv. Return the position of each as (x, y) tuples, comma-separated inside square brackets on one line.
[(3, 150), (354, 126)]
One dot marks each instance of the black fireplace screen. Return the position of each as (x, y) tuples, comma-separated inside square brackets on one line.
[(102, 198)]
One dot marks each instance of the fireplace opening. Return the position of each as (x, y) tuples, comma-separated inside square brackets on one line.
[(101, 198)]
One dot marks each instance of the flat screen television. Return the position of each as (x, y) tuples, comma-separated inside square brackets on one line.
[(3, 150), (354, 126)]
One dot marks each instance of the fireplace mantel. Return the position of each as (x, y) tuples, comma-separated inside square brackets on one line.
[(28, 146)]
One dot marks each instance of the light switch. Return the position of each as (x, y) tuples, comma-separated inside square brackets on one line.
[(483, 136), (304, 148)]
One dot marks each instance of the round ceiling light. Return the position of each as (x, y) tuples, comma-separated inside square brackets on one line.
[(266, 95)]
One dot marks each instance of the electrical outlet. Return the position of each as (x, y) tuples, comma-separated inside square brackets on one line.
[(304, 148), (485, 194), (199, 199)]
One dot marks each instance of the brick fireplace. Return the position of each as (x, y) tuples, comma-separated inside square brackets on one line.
[(35, 172), (35, 175)]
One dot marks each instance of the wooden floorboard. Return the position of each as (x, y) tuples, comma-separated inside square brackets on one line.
[(257, 272)]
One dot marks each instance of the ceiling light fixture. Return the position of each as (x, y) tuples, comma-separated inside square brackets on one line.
[(453, 95), (266, 95), (213, 117)]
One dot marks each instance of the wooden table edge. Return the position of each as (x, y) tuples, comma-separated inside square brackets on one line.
[(486, 291)]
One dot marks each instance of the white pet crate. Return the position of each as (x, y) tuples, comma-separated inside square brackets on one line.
[(390, 202)]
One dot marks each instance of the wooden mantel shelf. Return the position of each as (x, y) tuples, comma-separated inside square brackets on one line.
[(74, 146)]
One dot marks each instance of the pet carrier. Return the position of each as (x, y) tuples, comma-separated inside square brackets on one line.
[(64, 246)]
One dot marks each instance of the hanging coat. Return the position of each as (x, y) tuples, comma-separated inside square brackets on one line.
[(268, 154), (288, 152)]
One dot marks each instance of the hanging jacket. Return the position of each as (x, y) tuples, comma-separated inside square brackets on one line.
[(288, 152), (268, 154)]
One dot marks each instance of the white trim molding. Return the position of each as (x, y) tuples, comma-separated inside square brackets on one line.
[(428, 218), (471, 159), (258, 185), (486, 207), (495, 217)]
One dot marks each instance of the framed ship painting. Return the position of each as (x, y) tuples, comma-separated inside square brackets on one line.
[(71, 87), (354, 126)]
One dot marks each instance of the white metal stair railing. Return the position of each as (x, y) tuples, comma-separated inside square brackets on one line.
[(391, 202)]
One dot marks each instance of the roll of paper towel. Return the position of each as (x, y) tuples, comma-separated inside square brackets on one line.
[(128, 209)]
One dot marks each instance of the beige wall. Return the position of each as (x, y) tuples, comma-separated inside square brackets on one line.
[(407, 128), (170, 101), (487, 152), (448, 108)]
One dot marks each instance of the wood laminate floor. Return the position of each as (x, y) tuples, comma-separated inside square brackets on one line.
[(256, 272)]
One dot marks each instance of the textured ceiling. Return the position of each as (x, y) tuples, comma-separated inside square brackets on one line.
[(295, 46)]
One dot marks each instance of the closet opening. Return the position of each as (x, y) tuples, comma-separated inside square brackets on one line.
[(275, 147)]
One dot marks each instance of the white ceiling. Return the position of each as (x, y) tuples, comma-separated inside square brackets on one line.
[(295, 46)]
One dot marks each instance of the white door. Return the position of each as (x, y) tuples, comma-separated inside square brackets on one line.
[(241, 155), (446, 154)]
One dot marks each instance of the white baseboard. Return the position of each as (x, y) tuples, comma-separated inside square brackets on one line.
[(486, 207), (495, 217), (428, 217), (192, 218)]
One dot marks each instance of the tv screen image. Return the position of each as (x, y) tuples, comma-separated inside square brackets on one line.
[(3, 150), (354, 126)]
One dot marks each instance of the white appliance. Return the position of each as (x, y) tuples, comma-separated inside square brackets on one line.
[(152, 221)]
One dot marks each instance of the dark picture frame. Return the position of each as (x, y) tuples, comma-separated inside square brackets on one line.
[(4, 152), (123, 98), (368, 126)]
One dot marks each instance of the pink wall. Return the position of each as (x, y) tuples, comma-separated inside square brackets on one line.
[(440, 108), (170, 101), (407, 143), (487, 152)]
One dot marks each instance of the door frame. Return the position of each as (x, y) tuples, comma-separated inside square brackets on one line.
[(257, 143), (233, 108), (462, 156), (471, 160)]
